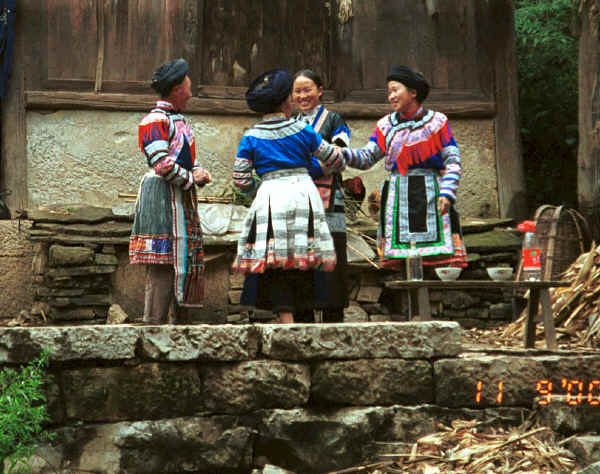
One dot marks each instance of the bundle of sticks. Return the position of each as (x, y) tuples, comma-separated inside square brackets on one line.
[(131, 197), (471, 446), (576, 308)]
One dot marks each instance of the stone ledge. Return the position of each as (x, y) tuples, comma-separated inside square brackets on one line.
[(522, 378), (18, 345), (229, 343), (205, 342), (361, 341), (567, 418)]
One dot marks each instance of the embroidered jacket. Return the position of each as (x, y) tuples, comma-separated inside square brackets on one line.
[(421, 141), (168, 142), (278, 143)]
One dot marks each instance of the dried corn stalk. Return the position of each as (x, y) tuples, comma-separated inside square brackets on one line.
[(471, 447), (576, 307)]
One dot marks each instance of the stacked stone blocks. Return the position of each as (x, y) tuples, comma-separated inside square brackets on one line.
[(310, 398)]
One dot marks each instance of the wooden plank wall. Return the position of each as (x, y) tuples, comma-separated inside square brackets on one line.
[(228, 42), (102, 53)]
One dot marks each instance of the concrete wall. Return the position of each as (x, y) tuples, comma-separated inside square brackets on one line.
[(90, 156)]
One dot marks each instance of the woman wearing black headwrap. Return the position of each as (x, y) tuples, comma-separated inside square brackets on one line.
[(285, 232), (166, 233), (424, 164), (330, 288)]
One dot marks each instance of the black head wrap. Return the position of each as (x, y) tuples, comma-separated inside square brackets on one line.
[(269, 90), (169, 75), (411, 79)]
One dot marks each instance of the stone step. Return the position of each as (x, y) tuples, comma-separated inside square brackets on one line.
[(479, 380), (577, 412), (226, 343)]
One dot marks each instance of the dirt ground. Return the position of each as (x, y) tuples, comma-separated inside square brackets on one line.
[(16, 254)]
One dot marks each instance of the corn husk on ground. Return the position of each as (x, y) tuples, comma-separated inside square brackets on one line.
[(576, 308), (470, 447)]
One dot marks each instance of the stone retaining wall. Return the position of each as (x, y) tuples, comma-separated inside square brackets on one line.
[(309, 398), (81, 266)]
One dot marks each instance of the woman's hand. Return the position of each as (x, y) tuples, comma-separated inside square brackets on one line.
[(201, 176), (443, 204), (335, 163)]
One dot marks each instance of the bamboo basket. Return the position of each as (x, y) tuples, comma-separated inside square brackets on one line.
[(563, 234)]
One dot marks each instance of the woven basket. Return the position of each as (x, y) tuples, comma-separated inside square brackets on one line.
[(564, 234)]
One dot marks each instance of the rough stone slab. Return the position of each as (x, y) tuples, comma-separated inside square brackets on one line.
[(586, 448), (236, 281), (312, 442), (568, 419), (203, 445), (106, 259), (54, 404), (354, 313), (492, 241), (458, 299), (83, 313), (234, 296), (142, 392), (116, 315), (361, 340), (98, 282), (252, 385), (457, 379), (101, 229), (369, 294), (59, 292), (591, 469), (381, 382), (411, 423), (71, 239), (19, 345), (225, 343), (70, 214), (473, 225), (81, 271), (60, 255)]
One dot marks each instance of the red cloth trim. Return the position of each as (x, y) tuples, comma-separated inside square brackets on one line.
[(418, 152), (149, 132)]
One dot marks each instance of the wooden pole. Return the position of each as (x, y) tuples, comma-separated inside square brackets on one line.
[(13, 161), (588, 154)]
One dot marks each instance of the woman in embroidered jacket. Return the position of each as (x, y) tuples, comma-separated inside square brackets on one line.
[(417, 201), (166, 230), (330, 288), (285, 232)]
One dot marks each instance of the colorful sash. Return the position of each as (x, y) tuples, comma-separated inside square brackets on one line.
[(325, 183)]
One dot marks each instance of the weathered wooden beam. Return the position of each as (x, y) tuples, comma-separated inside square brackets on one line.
[(472, 109), (13, 160), (127, 102), (137, 102), (509, 162)]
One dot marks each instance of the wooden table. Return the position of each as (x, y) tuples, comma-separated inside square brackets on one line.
[(538, 292)]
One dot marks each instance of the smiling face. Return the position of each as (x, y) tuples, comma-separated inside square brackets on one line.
[(306, 94), (403, 100)]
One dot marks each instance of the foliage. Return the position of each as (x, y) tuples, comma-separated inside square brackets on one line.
[(22, 410), (547, 69)]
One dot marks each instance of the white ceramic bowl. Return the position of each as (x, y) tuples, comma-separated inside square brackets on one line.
[(448, 273), (500, 273)]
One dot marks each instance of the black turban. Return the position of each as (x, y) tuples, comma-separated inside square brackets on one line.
[(169, 75), (411, 79), (269, 90)]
